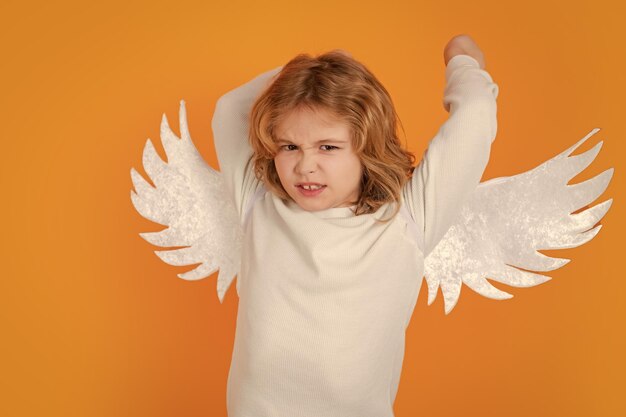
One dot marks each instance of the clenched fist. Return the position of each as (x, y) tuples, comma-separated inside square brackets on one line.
[(463, 44)]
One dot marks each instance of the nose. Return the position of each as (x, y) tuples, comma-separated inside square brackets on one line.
[(307, 161)]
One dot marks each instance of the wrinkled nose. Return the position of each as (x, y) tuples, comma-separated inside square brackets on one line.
[(307, 163)]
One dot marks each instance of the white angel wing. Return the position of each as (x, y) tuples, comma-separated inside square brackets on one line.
[(508, 219), (190, 198)]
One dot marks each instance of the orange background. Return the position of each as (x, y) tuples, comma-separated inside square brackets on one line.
[(95, 324)]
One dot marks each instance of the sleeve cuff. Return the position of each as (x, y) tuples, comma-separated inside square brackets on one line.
[(458, 61)]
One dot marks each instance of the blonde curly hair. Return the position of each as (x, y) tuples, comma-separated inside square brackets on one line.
[(336, 82)]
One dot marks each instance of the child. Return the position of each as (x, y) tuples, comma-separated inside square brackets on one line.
[(336, 228)]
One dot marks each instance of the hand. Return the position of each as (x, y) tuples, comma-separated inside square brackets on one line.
[(463, 44)]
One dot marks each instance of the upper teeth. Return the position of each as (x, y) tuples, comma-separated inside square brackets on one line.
[(311, 187)]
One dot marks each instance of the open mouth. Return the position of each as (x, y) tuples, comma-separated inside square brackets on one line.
[(310, 190), (311, 187)]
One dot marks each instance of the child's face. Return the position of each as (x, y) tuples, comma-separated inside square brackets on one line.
[(315, 147)]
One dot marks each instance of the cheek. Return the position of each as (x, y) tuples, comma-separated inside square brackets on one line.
[(279, 164), (353, 169), (282, 167)]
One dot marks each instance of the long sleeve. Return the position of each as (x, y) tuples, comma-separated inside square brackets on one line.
[(453, 163), (230, 134)]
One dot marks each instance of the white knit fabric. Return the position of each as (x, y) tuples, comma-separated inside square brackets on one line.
[(325, 297)]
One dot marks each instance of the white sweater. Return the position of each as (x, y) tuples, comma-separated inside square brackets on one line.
[(325, 297)]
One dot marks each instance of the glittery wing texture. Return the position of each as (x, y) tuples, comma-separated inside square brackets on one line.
[(190, 198), (508, 219)]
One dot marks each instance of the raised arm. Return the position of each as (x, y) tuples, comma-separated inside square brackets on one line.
[(453, 163), (230, 135)]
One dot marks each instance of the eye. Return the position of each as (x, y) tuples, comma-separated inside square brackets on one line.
[(287, 147), (330, 147)]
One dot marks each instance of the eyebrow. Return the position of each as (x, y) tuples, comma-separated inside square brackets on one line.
[(319, 141)]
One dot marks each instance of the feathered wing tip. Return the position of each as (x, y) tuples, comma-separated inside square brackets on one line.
[(189, 198), (505, 223), (174, 145), (182, 120), (224, 280), (575, 146)]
